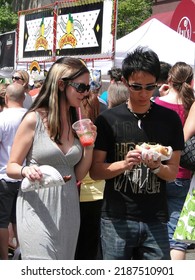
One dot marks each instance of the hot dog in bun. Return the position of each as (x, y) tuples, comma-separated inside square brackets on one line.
[(165, 151)]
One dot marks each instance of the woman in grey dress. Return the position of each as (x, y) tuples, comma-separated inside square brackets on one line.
[(48, 219)]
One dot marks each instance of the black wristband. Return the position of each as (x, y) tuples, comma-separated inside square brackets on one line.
[(156, 170), (22, 170)]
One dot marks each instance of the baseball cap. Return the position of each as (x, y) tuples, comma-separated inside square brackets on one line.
[(51, 178)]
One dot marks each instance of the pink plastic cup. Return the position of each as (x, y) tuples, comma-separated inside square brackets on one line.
[(84, 132)]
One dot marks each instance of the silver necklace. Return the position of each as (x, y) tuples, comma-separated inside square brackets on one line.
[(139, 117)]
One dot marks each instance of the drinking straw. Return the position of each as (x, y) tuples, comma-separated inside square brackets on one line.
[(79, 112), (82, 127)]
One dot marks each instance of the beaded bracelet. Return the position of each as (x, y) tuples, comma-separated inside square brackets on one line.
[(21, 171)]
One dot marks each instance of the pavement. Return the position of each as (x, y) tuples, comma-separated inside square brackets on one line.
[(190, 254)]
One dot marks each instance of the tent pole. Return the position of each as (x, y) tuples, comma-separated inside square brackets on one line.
[(114, 30)]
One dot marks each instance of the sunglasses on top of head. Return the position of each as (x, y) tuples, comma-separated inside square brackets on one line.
[(138, 87), (17, 78), (80, 87)]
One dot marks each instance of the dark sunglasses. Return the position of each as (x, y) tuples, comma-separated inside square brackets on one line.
[(137, 87), (81, 88), (16, 78)]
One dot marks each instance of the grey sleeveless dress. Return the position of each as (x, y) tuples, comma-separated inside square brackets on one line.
[(48, 219)]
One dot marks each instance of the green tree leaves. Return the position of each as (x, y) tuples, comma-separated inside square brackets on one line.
[(8, 19), (131, 14)]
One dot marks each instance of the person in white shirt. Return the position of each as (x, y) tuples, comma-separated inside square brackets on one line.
[(9, 122)]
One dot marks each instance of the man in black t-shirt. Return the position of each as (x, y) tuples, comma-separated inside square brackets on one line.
[(134, 212)]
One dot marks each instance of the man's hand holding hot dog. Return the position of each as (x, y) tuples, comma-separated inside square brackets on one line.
[(152, 155)]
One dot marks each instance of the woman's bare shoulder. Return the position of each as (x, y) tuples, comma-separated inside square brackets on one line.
[(30, 119)]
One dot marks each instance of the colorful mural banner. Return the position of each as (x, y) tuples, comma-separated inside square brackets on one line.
[(79, 31), (75, 29), (38, 34)]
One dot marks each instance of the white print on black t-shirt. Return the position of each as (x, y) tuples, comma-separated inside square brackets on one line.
[(139, 180)]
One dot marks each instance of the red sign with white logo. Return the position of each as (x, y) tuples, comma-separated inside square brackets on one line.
[(183, 19)]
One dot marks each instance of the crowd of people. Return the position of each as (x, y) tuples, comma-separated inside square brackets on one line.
[(118, 203)]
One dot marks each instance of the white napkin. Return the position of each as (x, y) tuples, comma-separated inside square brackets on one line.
[(155, 154)]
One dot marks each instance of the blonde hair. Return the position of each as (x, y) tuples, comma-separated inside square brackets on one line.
[(25, 76), (66, 68)]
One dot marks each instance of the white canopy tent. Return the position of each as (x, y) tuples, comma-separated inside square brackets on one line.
[(169, 45)]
